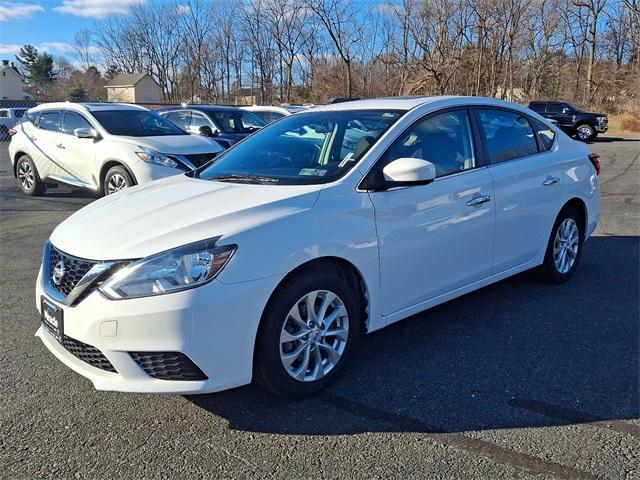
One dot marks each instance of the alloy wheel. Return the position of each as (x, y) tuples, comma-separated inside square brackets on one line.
[(565, 245), (314, 336), (116, 183), (26, 175)]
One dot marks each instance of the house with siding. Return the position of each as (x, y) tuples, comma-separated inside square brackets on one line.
[(11, 85), (134, 88)]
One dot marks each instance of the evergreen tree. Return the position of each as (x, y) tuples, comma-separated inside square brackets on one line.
[(26, 59), (111, 73)]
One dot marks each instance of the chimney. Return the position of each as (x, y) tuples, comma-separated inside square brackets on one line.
[(5, 63)]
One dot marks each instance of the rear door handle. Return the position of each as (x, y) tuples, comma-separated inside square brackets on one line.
[(479, 200), (550, 181)]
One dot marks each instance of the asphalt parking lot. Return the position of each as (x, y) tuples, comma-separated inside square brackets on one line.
[(517, 380)]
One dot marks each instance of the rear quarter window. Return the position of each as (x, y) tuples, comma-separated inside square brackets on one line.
[(545, 134)]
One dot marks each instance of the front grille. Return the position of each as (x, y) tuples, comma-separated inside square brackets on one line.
[(200, 159), (168, 365), (74, 268), (87, 354)]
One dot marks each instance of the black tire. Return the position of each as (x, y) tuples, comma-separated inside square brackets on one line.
[(28, 177), (114, 177), (269, 370), (585, 132), (549, 270)]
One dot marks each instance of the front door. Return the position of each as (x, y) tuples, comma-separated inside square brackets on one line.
[(435, 238)]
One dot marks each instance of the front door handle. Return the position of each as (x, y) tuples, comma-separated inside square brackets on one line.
[(59, 145), (479, 200), (550, 181)]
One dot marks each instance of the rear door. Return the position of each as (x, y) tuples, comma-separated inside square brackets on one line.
[(526, 182), (77, 154), (44, 140)]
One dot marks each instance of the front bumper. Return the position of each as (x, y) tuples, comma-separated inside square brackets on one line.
[(213, 325)]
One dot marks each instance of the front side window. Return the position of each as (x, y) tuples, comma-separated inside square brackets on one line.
[(443, 139), (557, 108), (198, 120), (237, 121), (73, 120), (507, 134), (180, 118), (545, 133), (136, 123), (309, 148), (50, 121)]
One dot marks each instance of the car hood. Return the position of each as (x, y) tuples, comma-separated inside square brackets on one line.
[(176, 144), (175, 211)]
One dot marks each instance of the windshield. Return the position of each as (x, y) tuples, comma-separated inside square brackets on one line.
[(573, 107), (136, 123), (306, 148), (236, 121)]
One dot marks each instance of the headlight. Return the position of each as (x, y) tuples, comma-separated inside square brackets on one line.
[(150, 156), (171, 271)]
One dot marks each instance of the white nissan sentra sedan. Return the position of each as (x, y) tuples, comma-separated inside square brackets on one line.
[(271, 261)]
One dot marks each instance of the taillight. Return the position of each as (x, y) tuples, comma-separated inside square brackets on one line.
[(12, 132), (594, 158)]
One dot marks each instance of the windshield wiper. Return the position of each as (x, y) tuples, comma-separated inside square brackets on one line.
[(242, 178)]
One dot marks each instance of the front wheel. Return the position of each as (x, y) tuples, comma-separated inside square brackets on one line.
[(585, 132), (564, 247), (116, 179), (306, 333)]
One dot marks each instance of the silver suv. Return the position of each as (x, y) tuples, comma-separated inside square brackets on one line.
[(102, 147)]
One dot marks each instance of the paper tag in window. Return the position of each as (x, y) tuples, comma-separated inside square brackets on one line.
[(313, 172)]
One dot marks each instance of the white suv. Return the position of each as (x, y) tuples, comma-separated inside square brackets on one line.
[(100, 146)]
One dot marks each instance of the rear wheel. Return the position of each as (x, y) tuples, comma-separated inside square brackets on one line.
[(28, 177), (307, 332), (564, 247), (116, 179), (585, 132)]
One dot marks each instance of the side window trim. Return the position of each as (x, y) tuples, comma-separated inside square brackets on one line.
[(485, 149), (477, 152)]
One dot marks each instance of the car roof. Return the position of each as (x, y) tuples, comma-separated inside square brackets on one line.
[(409, 103), (201, 108), (85, 107)]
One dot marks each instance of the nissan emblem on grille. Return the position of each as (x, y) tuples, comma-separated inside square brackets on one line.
[(58, 272)]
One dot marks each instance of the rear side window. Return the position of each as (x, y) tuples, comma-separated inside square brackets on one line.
[(545, 134), (73, 120), (4, 113), (50, 121), (508, 135)]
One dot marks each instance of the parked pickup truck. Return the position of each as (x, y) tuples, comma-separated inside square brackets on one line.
[(9, 117), (583, 125)]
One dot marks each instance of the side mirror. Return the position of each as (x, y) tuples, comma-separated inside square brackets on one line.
[(85, 133), (409, 171), (566, 111), (205, 131)]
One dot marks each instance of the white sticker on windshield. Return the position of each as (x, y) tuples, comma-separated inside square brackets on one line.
[(313, 172)]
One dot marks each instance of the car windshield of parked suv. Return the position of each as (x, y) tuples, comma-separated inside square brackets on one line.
[(136, 123), (236, 121), (306, 148)]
